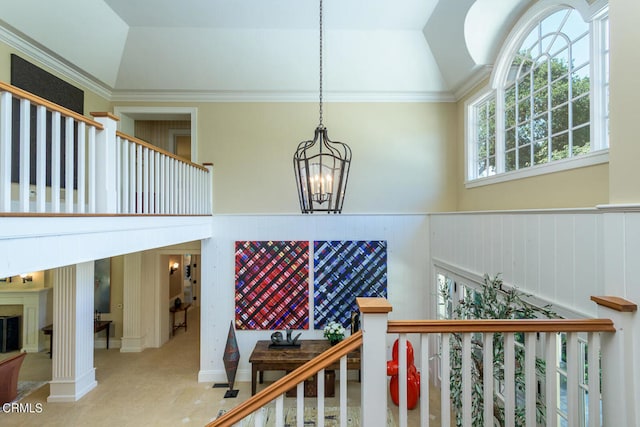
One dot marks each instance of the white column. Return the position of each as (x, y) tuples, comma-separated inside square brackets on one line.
[(375, 313), (106, 188), (132, 335), (73, 373)]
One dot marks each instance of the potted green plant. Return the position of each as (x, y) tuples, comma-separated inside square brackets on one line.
[(334, 332), (492, 301)]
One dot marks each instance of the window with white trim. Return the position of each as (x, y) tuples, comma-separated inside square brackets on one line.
[(550, 101)]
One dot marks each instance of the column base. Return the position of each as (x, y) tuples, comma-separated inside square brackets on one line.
[(72, 390)]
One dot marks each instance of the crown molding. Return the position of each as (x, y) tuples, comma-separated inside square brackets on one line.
[(475, 77), (274, 96)]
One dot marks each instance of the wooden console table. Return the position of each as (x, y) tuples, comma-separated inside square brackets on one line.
[(98, 325), (287, 359), (182, 307)]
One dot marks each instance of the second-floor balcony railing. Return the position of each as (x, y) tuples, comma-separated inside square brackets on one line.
[(56, 161)]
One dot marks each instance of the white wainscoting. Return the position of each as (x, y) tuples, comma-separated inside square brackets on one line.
[(556, 255), (407, 272), (563, 257)]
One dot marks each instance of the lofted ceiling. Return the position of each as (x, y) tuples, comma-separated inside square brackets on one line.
[(265, 49)]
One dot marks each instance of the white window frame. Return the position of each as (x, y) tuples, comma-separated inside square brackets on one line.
[(597, 16)]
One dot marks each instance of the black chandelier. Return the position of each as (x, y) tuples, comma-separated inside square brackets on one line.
[(321, 166)]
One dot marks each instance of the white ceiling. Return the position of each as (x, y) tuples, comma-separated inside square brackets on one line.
[(267, 49)]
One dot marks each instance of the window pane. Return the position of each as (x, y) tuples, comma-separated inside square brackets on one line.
[(524, 134), (541, 152), (559, 119), (510, 139), (510, 160), (524, 110), (560, 147), (580, 81), (524, 86), (541, 101), (510, 96), (559, 92), (581, 111), (524, 157), (559, 65), (510, 117), (581, 141), (540, 127), (580, 51)]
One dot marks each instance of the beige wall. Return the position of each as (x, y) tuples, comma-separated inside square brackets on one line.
[(403, 154), (624, 154)]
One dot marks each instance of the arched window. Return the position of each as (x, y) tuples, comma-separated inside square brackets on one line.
[(548, 102)]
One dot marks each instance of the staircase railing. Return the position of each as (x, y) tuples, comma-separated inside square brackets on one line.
[(276, 391), (56, 161), (570, 386)]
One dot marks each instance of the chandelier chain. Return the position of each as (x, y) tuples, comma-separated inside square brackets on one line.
[(320, 63)]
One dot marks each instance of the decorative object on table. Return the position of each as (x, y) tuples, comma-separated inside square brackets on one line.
[(231, 358), (413, 377), (177, 303), (321, 166), (334, 332), (278, 341), (272, 284), (355, 321), (344, 270)]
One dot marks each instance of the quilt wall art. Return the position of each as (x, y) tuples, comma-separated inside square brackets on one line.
[(272, 284), (344, 270)]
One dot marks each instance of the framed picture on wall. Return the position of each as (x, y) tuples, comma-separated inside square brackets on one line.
[(102, 288)]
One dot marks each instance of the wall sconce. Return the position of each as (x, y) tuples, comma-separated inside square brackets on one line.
[(26, 278), (6, 279), (173, 267)]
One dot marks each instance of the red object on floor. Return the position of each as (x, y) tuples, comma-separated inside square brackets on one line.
[(413, 377)]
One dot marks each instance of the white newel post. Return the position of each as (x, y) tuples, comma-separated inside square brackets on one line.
[(209, 207), (72, 370), (132, 336), (374, 315), (619, 391), (106, 164)]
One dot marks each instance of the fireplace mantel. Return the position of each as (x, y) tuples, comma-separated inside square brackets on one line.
[(34, 311)]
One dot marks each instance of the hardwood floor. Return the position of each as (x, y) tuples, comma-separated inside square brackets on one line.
[(157, 387)]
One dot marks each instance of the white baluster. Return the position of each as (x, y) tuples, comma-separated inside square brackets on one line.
[(445, 384), (25, 154), (402, 379), (530, 378), (572, 379), (300, 405), (466, 379), (343, 391), (132, 177), (424, 380), (138, 189), (68, 164), (145, 180), (56, 161), (41, 159), (5, 151), (551, 378), (279, 421), (320, 398), (91, 165), (593, 358), (487, 378), (509, 379), (81, 166)]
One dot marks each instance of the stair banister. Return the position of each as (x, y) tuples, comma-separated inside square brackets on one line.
[(374, 316)]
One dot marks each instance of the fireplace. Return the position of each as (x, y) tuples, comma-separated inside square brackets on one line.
[(9, 333)]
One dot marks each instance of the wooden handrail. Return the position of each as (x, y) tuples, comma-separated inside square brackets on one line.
[(312, 367), (158, 149), (616, 303), (34, 99), (496, 326)]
